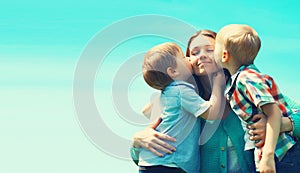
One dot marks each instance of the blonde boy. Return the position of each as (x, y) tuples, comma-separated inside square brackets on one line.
[(165, 68), (251, 92)]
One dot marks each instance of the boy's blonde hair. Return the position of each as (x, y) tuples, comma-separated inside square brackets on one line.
[(241, 41), (156, 62)]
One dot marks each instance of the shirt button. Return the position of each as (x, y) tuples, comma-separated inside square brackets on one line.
[(222, 148), (222, 166)]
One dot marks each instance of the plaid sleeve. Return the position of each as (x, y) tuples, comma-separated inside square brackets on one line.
[(257, 89)]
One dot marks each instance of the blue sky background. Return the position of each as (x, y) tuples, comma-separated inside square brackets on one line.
[(41, 42)]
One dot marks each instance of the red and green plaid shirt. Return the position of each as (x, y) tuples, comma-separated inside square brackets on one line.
[(248, 90)]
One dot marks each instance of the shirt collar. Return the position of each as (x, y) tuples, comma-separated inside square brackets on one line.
[(180, 82), (230, 86)]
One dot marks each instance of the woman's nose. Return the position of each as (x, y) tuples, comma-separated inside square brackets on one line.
[(202, 57)]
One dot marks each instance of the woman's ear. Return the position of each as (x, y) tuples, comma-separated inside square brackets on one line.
[(172, 72), (225, 56)]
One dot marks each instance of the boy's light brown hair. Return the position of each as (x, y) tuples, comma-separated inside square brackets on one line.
[(156, 62), (241, 42)]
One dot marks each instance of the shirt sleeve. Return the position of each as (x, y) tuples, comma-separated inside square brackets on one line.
[(294, 105), (192, 102), (256, 89), (134, 153), (295, 116), (296, 119)]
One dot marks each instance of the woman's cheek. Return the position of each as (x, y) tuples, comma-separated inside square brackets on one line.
[(199, 71)]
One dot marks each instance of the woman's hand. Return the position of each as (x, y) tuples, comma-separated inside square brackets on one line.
[(257, 130), (153, 141), (286, 125)]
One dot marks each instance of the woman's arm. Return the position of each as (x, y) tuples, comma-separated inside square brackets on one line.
[(257, 130), (286, 124), (153, 141), (291, 124), (296, 129)]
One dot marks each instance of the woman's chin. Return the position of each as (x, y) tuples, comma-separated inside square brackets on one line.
[(200, 72)]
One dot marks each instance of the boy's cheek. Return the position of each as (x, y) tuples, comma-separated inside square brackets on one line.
[(217, 57), (218, 63), (217, 52)]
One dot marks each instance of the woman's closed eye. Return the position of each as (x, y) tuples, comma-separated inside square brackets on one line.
[(206, 50), (195, 53), (210, 50)]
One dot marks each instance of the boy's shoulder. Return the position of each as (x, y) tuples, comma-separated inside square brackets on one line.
[(252, 76), (249, 70), (179, 89), (252, 73), (179, 85)]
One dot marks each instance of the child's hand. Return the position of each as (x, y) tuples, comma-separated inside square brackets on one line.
[(219, 78), (267, 165)]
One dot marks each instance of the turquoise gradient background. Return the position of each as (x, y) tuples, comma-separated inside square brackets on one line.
[(41, 42)]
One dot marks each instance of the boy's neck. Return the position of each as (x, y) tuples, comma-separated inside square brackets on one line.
[(233, 70), (233, 67)]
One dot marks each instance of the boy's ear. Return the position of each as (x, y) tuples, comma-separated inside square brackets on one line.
[(225, 56), (172, 72)]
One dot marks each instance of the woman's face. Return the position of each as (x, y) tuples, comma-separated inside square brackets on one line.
[(202, 55)]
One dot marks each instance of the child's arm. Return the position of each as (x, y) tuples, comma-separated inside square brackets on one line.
[(272, 132), (210, 110), (288, 124), (258, 129), (217, 100)]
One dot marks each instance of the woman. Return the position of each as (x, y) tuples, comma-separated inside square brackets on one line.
[(224, 150)]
